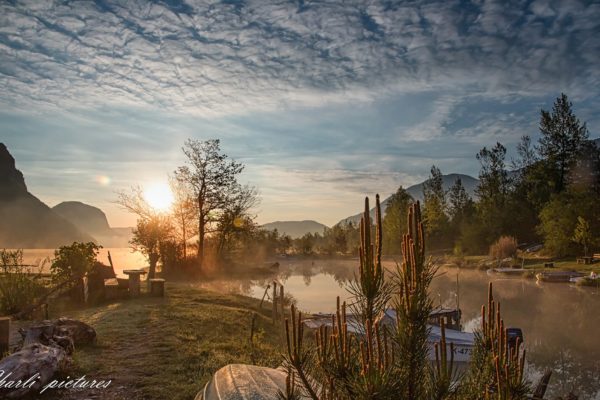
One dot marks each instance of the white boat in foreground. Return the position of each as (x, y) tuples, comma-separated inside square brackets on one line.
[(244, 382), (463, 343)]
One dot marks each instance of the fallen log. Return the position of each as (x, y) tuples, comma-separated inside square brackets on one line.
[(46, 351)]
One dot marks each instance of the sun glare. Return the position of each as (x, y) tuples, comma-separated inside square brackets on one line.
[(159, 196)]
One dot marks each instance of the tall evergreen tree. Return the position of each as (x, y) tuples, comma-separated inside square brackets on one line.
[(459, 202), (563, 136), (493, 190), (394, 221), (434, 199)]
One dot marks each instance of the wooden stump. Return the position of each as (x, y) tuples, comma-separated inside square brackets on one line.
[(157, 287), (111, 289), (36, 361), (4, 335)]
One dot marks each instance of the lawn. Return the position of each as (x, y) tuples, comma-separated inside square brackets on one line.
[(168, 348)]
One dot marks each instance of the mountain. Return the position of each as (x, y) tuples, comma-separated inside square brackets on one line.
[(295, 229), (416, 191), (85, 217), (93, 220), (25, 221)]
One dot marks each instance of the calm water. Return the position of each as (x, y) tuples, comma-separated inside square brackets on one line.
[(561, 322), (123, 258)]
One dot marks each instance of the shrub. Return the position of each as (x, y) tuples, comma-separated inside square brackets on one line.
[(73, 261), (18, 287), (504, 247)]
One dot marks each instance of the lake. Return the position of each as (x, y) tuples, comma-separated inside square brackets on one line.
[(560, 322), (123, 258)]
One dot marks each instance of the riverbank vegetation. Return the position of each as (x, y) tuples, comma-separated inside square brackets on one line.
[(546, 195)]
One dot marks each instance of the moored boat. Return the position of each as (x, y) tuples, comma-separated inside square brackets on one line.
[(508, 271), (557, 276), (463, 342), (590, 279)]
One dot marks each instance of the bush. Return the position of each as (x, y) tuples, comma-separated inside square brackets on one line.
[(18, 287), (504, 247), (74, 261)]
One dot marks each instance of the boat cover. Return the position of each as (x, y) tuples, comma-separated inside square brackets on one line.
[(244, 382)]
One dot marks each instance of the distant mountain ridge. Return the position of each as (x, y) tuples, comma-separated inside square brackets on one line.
[(416, 191), (93, 220), (25, 221), (296, 229)]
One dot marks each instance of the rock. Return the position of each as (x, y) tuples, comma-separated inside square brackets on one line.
[(82, 333), (25, 221), (12, 183)]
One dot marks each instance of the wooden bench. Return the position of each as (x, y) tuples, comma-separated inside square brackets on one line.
[(157, 287), (549, 265)]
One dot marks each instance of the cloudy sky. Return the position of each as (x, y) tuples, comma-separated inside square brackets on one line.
[(324, 101)]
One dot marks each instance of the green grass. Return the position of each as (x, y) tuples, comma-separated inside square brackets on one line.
[(168, 348)]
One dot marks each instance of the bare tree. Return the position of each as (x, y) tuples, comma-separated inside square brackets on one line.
[(153, 228), (211, 177), (184, 212), (235, 216)]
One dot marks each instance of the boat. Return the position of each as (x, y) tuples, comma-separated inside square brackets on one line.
[(508, 271), (244, 382), (557, 276), (591, 279), (463, 342)]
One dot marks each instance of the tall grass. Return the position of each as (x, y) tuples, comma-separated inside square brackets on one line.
[(19, 287), (504, 247)]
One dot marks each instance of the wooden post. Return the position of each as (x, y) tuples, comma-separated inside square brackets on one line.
[(274, 301), (4, 335), (281, 298), (264, 295)]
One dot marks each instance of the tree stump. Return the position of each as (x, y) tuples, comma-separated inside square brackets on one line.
[(34, 365), (157, 287)]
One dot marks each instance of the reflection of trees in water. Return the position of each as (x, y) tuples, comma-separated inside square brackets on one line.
[(559, 322), (570, 373), (342, 271)]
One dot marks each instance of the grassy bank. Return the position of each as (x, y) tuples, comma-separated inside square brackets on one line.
[(168, 348)]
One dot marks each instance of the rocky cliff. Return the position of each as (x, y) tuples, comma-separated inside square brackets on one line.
[(25, 221)]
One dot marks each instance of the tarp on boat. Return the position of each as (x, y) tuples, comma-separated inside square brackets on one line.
[(244, 382)]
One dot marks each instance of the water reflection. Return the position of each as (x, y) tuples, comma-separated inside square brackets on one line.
[(560, 321)]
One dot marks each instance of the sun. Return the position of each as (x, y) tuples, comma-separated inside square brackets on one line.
[(159, 196)]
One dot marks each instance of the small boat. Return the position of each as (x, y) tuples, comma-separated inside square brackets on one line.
[(592, 278), (244, 382), (557, 276), (508, 271)]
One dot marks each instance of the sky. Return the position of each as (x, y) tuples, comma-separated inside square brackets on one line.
[(323, 101)]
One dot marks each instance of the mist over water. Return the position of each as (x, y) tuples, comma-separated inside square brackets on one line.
[(123, 258), (560, 322)]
